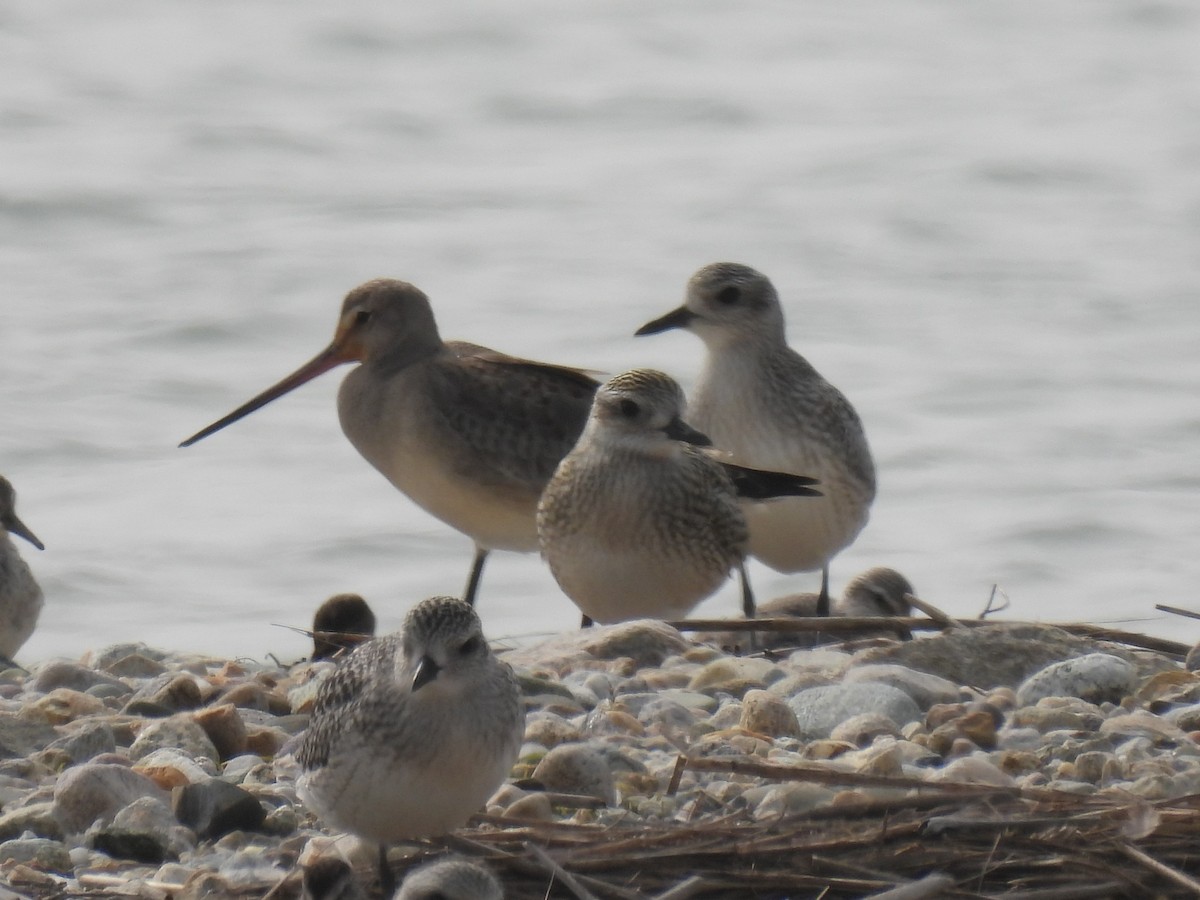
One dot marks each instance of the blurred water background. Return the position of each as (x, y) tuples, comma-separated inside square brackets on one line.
[(983, 219)]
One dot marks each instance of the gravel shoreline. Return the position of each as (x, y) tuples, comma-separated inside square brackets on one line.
[(135, 772)]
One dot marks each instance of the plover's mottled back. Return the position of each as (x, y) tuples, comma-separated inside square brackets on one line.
[(413, 731), (637, 520), (450, 878), (762, 401), (469, 434), (20, 596), (341, 622)]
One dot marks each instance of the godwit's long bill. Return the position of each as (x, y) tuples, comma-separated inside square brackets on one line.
[(469, 434)]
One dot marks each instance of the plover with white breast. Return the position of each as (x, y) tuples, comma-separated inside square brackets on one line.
[(450, 878), (412, 732), (638, 521), (469, 434), (763, 402), (20, 597)]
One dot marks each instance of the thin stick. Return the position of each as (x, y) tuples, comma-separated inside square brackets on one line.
[(838, 625), (830, 624), (820, 775), (561, 874), (96, 879), (1175, 610), (990, 606), (1161, 868), (930, 610), (676, 775)]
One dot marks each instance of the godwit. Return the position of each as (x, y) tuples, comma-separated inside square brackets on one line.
[(20, 596), (413, 731), (639, 522), (879, 591), (763, 402), (471, 435)]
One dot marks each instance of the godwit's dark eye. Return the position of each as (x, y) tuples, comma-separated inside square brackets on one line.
[(629, 409), (362, 317), (471, 645), (729, 295)]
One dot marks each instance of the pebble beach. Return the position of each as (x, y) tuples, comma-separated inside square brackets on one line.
[(649, 757)]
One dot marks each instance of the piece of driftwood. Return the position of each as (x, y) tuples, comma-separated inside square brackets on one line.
[(848, 626)]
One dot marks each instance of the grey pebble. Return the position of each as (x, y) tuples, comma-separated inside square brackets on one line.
[(821, 709), (62, 674), (862, 729), (97, 792), (41, 853), (38, 818), (177, 732), (1096, 678), (577, 769), (87, 741), (214, 807), (925, 689)]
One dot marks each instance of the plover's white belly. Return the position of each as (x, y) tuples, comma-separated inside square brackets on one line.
[(790, 534), (616, 585), (385, 798)]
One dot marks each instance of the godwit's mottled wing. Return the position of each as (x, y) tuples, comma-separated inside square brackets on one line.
[(513, 419)]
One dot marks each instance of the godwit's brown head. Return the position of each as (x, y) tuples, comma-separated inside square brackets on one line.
[(383, 322)]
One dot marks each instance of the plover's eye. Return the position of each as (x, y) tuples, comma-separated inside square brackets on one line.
[(362, 317), (729, 295), (471, 645), (629, 409)]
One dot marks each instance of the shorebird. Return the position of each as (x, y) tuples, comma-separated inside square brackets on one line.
[(469, 434), (20, 596), (341, 622), (637, 520), (412, 732), (763, 402), (450, 878), (879, 591), (330, 878)]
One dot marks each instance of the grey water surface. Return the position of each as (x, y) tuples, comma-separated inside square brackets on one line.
[(983, 219)]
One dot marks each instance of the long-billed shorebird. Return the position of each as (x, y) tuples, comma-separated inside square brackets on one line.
[(450, 878), (469, 434), (20, 596), (763, 402), (638, 521), (877, 592), (413, 731)]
